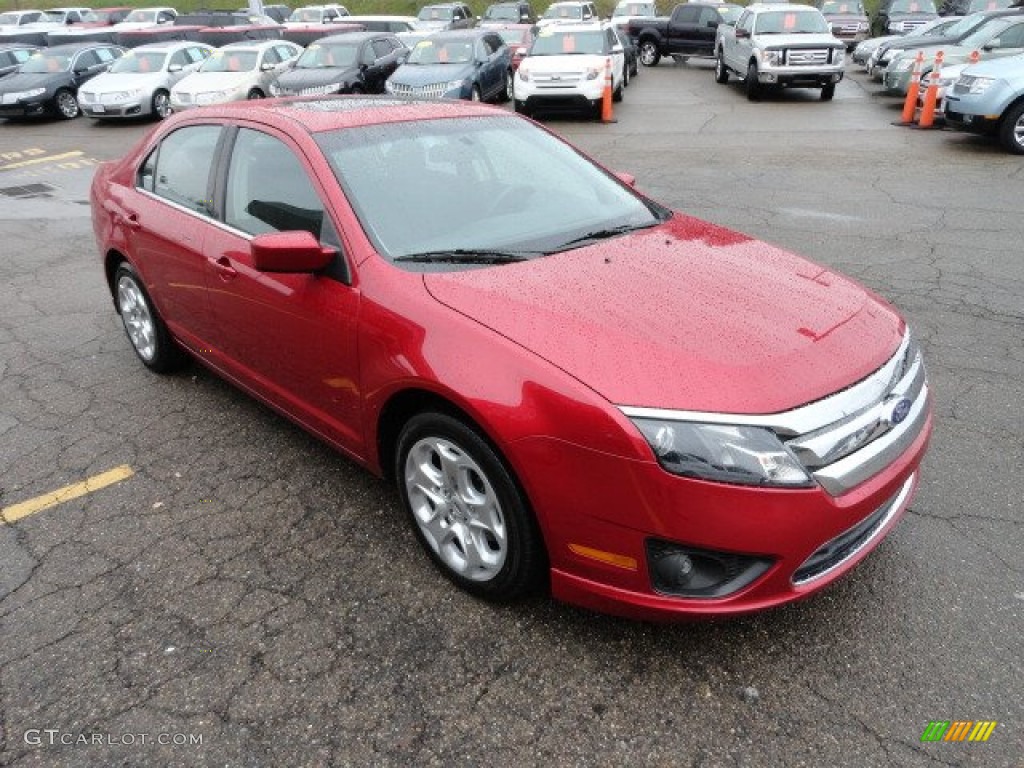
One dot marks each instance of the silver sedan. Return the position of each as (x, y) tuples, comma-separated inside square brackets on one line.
[(140, 82)]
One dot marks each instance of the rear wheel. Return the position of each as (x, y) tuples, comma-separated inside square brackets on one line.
[(721, 72), (649, 55), (466, 508), (828, 91), (1011, 129), (255, 93), (751, 83)]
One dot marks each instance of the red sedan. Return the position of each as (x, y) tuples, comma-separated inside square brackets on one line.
[(571, 385)]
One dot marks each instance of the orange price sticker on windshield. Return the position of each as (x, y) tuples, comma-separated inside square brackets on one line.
[(789, 21), (568, 43)]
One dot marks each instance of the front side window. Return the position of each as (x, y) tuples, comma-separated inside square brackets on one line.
[(179, 169), (268, 189)]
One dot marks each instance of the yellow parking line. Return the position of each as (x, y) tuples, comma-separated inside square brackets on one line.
[(39, 160), (67, 493)]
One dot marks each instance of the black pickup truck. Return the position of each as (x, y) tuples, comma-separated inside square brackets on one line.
[(689, 31)]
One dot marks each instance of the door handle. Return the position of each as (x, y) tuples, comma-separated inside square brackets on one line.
[(224, 268)]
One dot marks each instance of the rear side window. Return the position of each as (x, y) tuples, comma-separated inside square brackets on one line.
[(179, 169)]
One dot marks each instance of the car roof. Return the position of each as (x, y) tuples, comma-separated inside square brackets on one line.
[(316, 114), (456, 34), (170, 45), (257, 45), (19, 47), (351, 37), (73, 48)]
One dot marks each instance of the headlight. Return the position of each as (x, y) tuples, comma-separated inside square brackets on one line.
[(838, 55), (275, 90), (890, 54), (29, 94), (896, 26), (523, 73), (982, 84), (772, 58), (863, 26), (723, 453), (593, 73), (389, 86), (901, 65), (454, 85), (212, 97)]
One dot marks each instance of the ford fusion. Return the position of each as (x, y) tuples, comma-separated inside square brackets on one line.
[(571, 386)]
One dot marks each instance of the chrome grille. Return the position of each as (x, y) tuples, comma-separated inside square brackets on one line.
[(431, 91), (556, 79), (807, 57), (912, 26), (846, 29)]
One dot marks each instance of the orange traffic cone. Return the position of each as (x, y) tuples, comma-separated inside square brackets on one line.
[(931, 95), (910, 105), (606, 97), (975, 57)]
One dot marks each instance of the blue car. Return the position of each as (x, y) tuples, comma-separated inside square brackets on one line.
[(473, 64), (989, 98)]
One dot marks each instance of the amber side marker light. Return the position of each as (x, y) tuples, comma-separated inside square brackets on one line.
[(608, 558)]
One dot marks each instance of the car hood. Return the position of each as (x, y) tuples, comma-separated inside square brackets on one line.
[(685, 315), (1005, 68), (27, 81), (425, 74), (199, 82), (295, 79), (123, 81)]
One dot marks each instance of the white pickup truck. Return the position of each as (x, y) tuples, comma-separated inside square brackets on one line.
[(780, 45)]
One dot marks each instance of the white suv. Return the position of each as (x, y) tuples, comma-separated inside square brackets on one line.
[(570, 12), (565, 68)]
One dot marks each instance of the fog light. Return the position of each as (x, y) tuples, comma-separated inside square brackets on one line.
[(689, 572)]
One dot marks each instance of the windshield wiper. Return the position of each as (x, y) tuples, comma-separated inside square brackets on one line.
[(604, 234), (467, 256)]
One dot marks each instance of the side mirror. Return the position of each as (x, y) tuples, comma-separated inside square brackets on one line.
[(290, 252), (266, 67), (175, 68), (992, 44), (617, 48), (741, 33), (626, 178)]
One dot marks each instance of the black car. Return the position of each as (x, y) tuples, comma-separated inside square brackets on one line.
[(629, 50), (354, 62), (13, 56), (48, 82)]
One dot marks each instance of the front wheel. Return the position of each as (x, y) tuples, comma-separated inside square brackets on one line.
[(143, 324), (255, 93), (649, 54), (1011, 130), (466, 508), (751, 83), (474, 95), (67, 104), (828, 91), (161, 105), (721, 72)]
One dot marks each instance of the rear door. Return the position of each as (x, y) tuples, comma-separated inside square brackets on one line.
[(682, 28)]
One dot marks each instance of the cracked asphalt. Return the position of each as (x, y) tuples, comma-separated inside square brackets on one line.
[(250, 587)]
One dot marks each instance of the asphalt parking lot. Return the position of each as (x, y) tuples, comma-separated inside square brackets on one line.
[(239, 595)]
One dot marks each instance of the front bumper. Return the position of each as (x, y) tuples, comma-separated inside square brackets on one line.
[(897, 83), (29, 108), (133, 108), (578, 92), (794, 77)]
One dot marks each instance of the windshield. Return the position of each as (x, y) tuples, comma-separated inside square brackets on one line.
[(476, 184), (435, 14), (574, 12), (911, 6), (790, 23), (441, 52), (842, 6), (635, 9), (987, 5), (142, 16), (514, 36), (318, 56), (986, 32), (503, 12), (230, 61), (139, 61), (552, 42), (46, 62)]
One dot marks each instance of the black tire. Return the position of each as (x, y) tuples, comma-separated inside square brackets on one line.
[(161, 105), (506, 94), (521, 108), (648, 54), (721, 71), (255, 93), (66, 104), (625, 75), (753, 87), (617, 94), (440, 462), (1011, 129), (828, 91), (153, 344)]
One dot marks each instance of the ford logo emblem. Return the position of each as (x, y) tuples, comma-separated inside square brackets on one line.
[(899, 413)]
